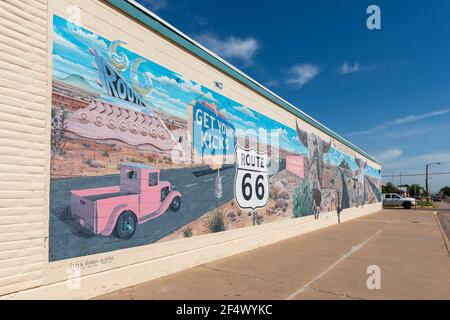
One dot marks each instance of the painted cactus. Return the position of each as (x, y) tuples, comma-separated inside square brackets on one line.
[(302, 200)]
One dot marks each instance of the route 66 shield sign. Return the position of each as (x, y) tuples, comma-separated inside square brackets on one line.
[(251, 185)]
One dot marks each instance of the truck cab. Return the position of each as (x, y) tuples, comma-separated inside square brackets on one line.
[(139, 197), (393, 199), (144, 181)]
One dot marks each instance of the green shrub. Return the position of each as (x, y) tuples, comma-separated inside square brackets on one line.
[(106, 154), (216, 223), (302, 200), (424, 204), (187, 233)]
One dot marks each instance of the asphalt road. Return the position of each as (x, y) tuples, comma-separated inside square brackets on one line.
[(68, 240)]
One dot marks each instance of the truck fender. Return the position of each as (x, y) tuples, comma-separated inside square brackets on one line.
[(113, 219), (176, 194), (172, 195)]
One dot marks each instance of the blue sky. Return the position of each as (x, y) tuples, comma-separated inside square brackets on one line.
[(387, 91)]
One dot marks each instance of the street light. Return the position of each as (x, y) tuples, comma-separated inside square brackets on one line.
[(426, 177)]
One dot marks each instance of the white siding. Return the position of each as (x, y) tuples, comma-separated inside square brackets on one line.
[(23, 143)]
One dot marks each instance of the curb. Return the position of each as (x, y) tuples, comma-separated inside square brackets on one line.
[(443, 234)]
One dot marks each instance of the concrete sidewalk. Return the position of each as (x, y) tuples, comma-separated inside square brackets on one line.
[(331, 263)]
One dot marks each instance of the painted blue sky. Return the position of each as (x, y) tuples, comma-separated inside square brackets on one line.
[(385, 90), (171, 93)]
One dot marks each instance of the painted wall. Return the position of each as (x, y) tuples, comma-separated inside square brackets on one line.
[(141, 138), (112, 108)]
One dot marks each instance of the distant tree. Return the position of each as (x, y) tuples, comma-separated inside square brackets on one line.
[(415, 190), (390, 188), (446, 191)]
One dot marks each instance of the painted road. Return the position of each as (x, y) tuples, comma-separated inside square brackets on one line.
[(69, 240)]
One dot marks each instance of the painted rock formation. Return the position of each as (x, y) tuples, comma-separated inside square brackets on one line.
[(103, 121)]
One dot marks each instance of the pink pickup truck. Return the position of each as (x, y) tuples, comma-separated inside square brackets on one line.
[(139, 198)]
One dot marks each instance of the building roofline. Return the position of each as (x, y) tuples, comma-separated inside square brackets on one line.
[(156, 23)]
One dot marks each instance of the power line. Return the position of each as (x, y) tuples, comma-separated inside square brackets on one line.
[(416, 175)]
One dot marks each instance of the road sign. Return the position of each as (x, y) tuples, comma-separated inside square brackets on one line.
[(251, 185)]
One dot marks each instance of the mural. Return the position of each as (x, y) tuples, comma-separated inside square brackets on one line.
[(142, 155)]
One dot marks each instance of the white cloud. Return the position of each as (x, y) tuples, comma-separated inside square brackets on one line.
[(302, 74), (442, 157), (412, 169), (75, 50), (231, 116), (64, 67), (243, 49), (282, 132), (91, 38), (154, 5), (250, 124), (162, 79), (281, 136), (245, 111), (400, 121), (201, 21), (168, 106), (416, 163), (59, 39), (168, 98), (273, 83), (183, 84), (347, 68), (389, 154), (238, 121), (209, 97), (188, 86), (408, 133), (414, 118)]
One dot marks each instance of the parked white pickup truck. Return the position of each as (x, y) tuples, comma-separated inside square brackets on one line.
[(392, 199)]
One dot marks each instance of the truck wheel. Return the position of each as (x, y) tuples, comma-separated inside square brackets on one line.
[(407, 205), (176, 204), (126, 226)]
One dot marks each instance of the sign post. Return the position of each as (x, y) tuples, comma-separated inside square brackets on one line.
[(251, 185)]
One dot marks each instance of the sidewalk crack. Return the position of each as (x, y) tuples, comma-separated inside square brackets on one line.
[(339, 294), (245, 275)]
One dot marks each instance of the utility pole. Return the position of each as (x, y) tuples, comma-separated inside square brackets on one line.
[(426, 178), (400, 178)]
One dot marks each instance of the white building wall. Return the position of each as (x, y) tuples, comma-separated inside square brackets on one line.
[(25, 94)]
